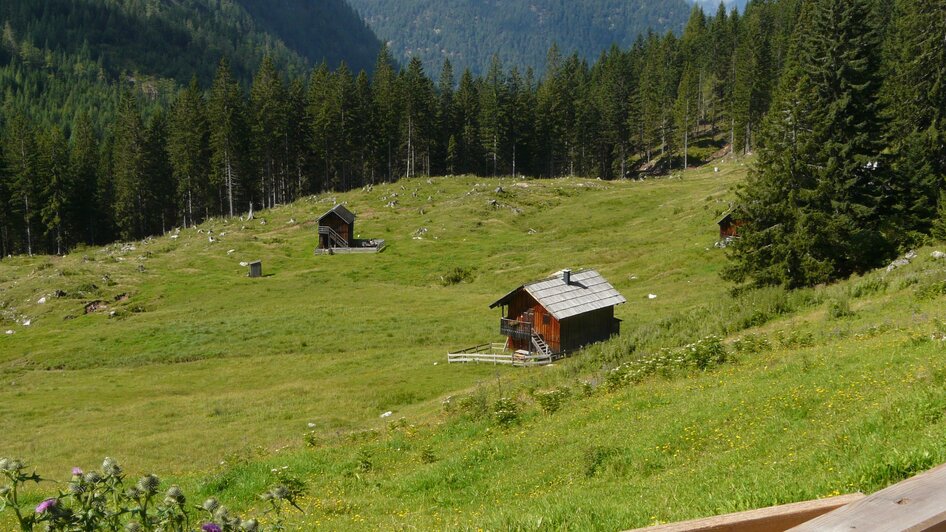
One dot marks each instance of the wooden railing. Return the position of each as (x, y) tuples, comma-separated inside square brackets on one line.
[(520, 330), (328, 231), (496, 353)]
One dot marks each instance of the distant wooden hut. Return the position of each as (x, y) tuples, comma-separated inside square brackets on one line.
[(729, 226), (336, 228), (337, 234), (559, 314)]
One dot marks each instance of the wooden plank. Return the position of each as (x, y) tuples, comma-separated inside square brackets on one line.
[(918, 503), (771, 519)]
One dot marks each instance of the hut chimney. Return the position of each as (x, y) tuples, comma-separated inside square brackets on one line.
[(567, 276)]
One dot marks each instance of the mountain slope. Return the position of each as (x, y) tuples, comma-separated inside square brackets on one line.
[(178, 39), (469, 32)]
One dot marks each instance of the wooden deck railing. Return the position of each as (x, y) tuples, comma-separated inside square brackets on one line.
[(520, 330)]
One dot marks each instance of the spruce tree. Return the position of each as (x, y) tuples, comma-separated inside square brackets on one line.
[(814, 203), (188, 152), (227, 125), (129, 165), (58, 193)]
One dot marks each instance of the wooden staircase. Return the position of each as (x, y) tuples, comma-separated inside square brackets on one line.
[(540, 346), (335, 240)]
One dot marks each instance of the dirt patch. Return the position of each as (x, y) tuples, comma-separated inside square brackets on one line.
[(95, 306)]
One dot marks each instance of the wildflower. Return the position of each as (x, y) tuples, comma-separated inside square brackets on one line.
[(76, 471), (149, 484), (211, 504), (174, 495), (211, 527), (46, 505), (111, 467)]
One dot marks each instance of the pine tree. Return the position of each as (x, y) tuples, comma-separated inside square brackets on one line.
[(84, 166), (227, 126), (21, 157), (129, 165), (58, 193), (915, 95), (388, 109), (492, 120), (188, 152), (814, 204), (268, 107)]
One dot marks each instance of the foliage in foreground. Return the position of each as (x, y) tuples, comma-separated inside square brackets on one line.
[(102, 500)]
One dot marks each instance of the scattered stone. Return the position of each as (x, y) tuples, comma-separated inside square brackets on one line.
[(938, 255), (174, 237), (41, 301), (59, 294), (244, 264), (651, 296), (896, 264), (910, 255), (493, 203), (230, 251), (122, 297), (387, 414), (27, 322), (95, 306), (532, 231), (9, 331), (499, 190)]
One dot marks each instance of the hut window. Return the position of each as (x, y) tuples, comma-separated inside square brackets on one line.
[(546, 319)]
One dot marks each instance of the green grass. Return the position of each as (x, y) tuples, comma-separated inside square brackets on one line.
[(213, 378)]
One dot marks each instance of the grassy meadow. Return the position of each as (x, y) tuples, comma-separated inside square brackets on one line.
[(215, 380)]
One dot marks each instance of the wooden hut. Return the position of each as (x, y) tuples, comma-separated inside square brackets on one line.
[(336, 228), (728, 227), (256, 269), (559, 314)]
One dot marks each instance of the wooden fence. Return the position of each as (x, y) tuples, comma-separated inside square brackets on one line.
[(496, 353)]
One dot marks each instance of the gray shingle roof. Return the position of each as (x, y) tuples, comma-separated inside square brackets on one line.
[(346, 215), (586, 292)]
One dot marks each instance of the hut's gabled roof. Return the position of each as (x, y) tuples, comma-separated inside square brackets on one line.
[(346, 215), (726, 216), (587, 291)]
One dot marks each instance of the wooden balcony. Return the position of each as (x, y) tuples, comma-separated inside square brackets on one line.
[(518, 330)]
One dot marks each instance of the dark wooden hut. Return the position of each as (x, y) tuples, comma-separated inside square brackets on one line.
[(336, 228), (559, 314), (256, 269), (729, 226)]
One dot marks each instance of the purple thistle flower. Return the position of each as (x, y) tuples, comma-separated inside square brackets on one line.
[(211, 527), (77, 471), (49, 503)]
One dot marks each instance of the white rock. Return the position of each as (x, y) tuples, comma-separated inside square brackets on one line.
[(42, 300), (311, 425), (910, 255), (651, 296), (174, 237), (9, 331), (27, 323), (387, 414), (938, 255), (244, 264), (230, 251)]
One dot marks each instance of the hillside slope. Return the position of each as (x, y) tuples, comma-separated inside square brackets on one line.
[(219, 379), (469, 32), (172, 39)]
